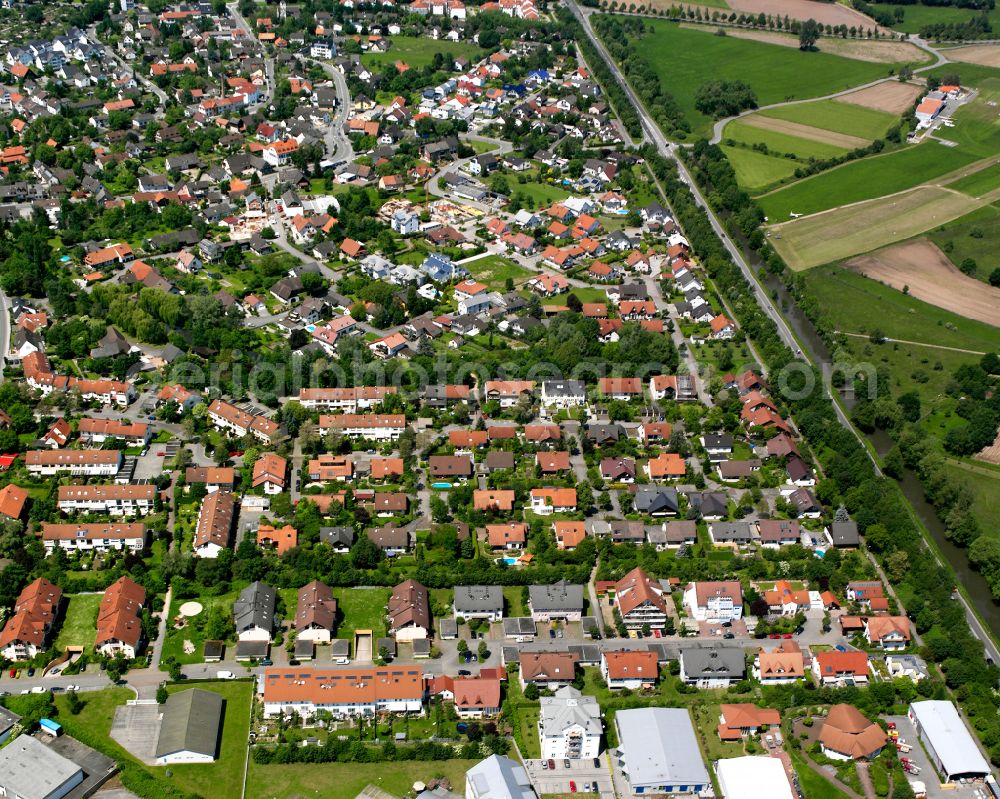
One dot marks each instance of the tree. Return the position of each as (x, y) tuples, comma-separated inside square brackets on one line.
[(484, 651), (809, 34), (75, 703), (365, 553), (531, 692), (995, 277), (573, 303), (161, 694)]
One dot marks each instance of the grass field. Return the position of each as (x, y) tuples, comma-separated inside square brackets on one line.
[(856, 304), (419, 51), (539, 195), (225, 776), (685, 59), (916, 16), (778, 142), (582, 294), (494, 270), (843, 232), (854, 120), (347, 780), (978, 183), (865, 179), (814, 785), (80, 622), (984, 483), (361, 609), (756, 171), (975, 236)]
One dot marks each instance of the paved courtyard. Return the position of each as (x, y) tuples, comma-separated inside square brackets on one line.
[(136, 727)]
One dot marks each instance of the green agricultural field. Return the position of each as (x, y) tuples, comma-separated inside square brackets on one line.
[(781, 143), (347, 780), (865, 179), (686, 58), (854, 120), (80, 621), (419, 51), (855, 304), (756, 171), (495, 270), (976, 236), (969, 74)]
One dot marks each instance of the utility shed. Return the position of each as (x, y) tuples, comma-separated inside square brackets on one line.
[(189, 732), (948, 741)]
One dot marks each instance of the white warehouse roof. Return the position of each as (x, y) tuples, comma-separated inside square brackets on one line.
[(753, 778), (659, 747), (940, 724)]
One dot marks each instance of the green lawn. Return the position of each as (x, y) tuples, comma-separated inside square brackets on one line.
[(975, 236), (984, 483), (347, 780), (361, 609), (854, 120), (539, 195), (865, 179), (855, 304), (782, 143), (917, 16), (813, 785), (418, 51), (79, 626), (686, 58), (174, 643), (494, 270), (513, 601), (225, 776), (757, 171), (582, 294)]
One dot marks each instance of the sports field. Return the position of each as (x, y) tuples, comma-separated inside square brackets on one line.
[(419, 51), (833, 115), (865, 179), (780, 138), (865, 226), (756, 171), (685, 58)]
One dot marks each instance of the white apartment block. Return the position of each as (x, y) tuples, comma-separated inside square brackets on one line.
[(116, 500)]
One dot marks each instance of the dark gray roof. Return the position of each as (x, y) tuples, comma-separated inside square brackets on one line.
[(653, 499), (251, 650), (340, 648), (557, 597), (478, 598), (255, 607), (713, 663), (519, 625), (191, 723), (8, 719), (844, 534), (305, 649)]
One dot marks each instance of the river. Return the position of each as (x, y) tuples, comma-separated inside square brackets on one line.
[(973, 582)]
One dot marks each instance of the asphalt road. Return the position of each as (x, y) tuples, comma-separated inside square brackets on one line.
[(338, 146)]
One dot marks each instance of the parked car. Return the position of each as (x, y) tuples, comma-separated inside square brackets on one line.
[(545, 765), (464, 673), (552, 763), (31, 672), (566, 763), (597, 762), (572, 786)]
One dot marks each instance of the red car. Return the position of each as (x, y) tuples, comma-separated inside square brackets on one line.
[(552, 764), (13, 672), (787, 635), (774, 635), (572, 786)]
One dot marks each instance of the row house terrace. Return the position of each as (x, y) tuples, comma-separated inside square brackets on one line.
[(116, 500), (94, 537)]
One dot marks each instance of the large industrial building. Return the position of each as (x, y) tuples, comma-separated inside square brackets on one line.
[(947, 740), (752, 777), (658, 751)]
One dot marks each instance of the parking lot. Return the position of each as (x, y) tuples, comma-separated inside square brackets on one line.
[(928, 776), (136, 727), (581, 772)]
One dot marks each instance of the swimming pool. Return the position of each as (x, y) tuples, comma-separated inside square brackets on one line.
[(508, 561), (440, 485)]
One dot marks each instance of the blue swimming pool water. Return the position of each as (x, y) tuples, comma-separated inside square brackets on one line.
[(440, 485)]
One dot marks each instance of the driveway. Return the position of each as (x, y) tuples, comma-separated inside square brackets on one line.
[(581, 771)]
